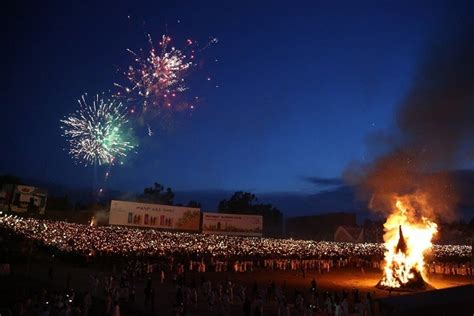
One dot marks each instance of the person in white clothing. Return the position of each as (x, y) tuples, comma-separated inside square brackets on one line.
[(337, 308), (162, 276), (116, 309)]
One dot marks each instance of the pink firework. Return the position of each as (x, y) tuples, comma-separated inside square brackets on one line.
[(158, 78)]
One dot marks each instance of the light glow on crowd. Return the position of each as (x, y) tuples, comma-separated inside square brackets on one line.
[(122, 241)]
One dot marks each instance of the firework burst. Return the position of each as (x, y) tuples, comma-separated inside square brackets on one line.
[(96, 132), (159, 77)]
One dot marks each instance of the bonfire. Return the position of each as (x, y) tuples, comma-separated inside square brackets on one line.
[(407, 240)]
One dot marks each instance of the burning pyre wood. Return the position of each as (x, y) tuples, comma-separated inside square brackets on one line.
[(416, 282)]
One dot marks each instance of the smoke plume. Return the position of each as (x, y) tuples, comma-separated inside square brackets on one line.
[(434, 133)]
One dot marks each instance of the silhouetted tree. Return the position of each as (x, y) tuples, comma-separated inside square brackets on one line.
[(59, 203), (158, 194), (272, 219), (193, 203), (239, 203), (245, 203), (9, 179)]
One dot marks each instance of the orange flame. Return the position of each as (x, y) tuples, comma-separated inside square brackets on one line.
[(401, 266)]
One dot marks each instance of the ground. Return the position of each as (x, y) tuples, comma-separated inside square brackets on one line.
[(27, 277)]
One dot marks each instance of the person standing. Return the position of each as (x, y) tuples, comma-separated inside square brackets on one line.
[(337, 307), (87, 303), (359, 306), (328, 303), (368, 304), (117, 309), (211, 300), (152, 299), (258, 306), (313, 285), (131, 294), (194, 296), (230, 286), (247, 307), (286, 308), (162, 276), (147, 295), (345, 305), (108, 304)]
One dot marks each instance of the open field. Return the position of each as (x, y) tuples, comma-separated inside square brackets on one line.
[(27, 278)]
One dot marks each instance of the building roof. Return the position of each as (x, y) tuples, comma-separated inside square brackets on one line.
[(354, 231)]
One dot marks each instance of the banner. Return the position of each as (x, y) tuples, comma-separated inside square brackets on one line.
[(232, 224), (28, 199), (6, 196), (154, 215)]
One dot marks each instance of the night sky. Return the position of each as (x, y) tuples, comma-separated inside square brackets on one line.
[(300, 87)]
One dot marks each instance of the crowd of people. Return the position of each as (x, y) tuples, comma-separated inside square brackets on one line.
[(174, 257), (450, 268), (115, 291), (45, 302), (195, 292), (91, 241)]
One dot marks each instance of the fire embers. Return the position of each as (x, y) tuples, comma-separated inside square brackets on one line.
[(407, 239)]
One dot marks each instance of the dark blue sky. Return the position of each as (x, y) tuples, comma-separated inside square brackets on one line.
[(301, 85)]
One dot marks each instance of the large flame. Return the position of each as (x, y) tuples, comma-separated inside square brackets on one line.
[(407, 238)]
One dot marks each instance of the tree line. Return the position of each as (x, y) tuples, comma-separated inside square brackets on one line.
[(239, 203)]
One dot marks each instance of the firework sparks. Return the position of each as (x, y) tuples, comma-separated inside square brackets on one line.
[(159, 77), (157, 80), (95, 132)]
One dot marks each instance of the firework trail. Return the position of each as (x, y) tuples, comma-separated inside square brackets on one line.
[(96, 132)]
